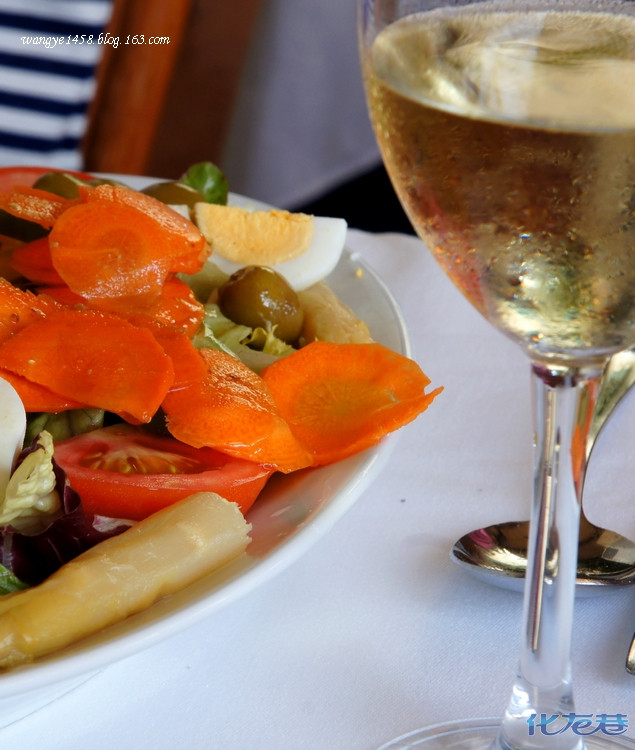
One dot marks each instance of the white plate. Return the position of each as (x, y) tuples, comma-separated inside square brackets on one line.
[(291, 514)]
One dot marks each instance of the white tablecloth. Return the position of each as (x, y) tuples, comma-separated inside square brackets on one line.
[(374, 631)]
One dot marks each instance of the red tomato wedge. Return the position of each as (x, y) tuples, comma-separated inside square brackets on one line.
[(125, 472), (12, 176)]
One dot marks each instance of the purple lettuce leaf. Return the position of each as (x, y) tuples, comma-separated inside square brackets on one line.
[(34, 557)]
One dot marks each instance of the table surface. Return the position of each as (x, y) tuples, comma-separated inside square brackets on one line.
[(374, 631)]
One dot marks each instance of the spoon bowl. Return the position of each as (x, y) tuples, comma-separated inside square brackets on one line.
[(497, 554)]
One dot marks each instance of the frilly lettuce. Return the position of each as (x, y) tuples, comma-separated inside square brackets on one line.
[(256, 347), (31, 496)]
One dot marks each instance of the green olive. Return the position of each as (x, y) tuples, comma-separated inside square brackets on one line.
[(59, 183), (174, 193), (97, 181), (20, 229), (257, 296)]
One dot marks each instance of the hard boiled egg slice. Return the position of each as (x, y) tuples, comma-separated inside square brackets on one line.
[(12, 429), (302, 248)]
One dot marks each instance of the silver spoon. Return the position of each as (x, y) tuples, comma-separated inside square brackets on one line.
[(498, 554), (630, 658)]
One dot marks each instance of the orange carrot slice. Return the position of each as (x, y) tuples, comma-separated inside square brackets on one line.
[(7, 246), (119, 243), (175, 306), (342, 398), (230, 409), (33, 261), (180, 239), (178, 307), (38, 398), (98, 359), (189, 367), (38, 206), (19, 308), (61, 294)]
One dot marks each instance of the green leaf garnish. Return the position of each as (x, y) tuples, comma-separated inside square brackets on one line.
[(210, 182)]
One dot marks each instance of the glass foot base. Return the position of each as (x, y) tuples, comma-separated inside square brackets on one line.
[(482, 734)]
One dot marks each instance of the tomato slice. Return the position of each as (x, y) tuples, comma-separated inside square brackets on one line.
[(16, 176), (124, 471)]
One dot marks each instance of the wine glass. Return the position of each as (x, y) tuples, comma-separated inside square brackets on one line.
[(508, 131)]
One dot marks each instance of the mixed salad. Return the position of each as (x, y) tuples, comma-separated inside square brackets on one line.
[(147, 373)]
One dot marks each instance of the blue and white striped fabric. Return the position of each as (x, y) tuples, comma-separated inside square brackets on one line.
[(47, 78)]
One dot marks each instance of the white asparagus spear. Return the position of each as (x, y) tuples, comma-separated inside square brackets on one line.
[(122, 575), (327, 318)]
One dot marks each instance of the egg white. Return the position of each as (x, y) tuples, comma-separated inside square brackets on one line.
[(317, 262), (12, 430)]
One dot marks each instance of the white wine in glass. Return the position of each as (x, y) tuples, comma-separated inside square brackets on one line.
[(508, 131)]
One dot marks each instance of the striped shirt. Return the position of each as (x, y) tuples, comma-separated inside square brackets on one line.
[(49, 51)]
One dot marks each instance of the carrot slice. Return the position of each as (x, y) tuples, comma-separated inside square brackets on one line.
[(178, 307), (38, 206), (178, 238), (19, 308), (106, 252), (61, 294), (38, 398), (119, 243), (342, 398), (175, 306), (189, 367), (33, 261), (230, 409), (98, 359)]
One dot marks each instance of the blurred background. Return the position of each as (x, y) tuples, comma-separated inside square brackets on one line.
[(269, 90)]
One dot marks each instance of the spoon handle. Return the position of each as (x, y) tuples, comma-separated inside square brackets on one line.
[(630, 658), (617, 380)]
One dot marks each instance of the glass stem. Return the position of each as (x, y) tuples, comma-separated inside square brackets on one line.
[(542, 701)]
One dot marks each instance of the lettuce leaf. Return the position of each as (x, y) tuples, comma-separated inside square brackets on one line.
[(32, 557), (63, 425), (255, 347), (9, 584)]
